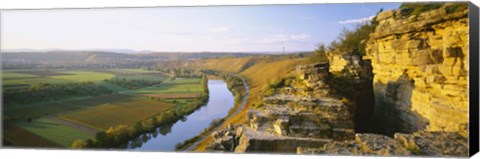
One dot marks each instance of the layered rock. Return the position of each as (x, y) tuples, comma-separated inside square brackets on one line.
[(364, 144), (351, 63), (314, 75), (420, 66), (261, 141), (420, 143), (304, 115), (356, 76), (420, 74), (434, 143)]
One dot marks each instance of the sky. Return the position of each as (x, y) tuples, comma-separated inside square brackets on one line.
[(264, 28)]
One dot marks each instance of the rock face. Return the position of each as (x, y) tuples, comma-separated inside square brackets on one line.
[(261, 141), (314, 75), (434, 143), (420, 66), (420, 143), (225, 140), (413, 82), (357, 75), (303, 114), (351, 63), (364, 144)]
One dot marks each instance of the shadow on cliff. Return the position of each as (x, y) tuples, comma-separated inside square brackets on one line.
[(392, 109), (359, 93)]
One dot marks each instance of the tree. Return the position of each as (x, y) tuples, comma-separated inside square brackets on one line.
[(354, 40), (319, 55), (77, 144)]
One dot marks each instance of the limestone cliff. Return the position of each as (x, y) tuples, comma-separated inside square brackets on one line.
[(302, 113), (420, 66), (411, 87), (353, 80)]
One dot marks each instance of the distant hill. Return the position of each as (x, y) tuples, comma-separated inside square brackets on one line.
[(83, 58)]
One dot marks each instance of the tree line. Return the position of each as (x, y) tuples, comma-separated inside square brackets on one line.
[(119, 135), (236, 86), (132, 83), (47, 91)]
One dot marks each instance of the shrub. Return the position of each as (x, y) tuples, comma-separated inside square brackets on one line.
[(409, 9), (319, 55), (456, 8), (354, 40), (77, 144)]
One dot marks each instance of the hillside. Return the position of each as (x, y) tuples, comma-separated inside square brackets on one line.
[(409, 91), (98, 59)]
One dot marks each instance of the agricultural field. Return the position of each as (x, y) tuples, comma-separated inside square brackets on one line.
[(21, 137), (22, 79), (25, 78), (54, 131), (112, 113), (50, 108), (180, 87), (59, 121)]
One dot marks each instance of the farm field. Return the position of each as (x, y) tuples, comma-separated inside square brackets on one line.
[(132, 70), (146, 77), (50, 108), (127, 111), (21, 79), (178, 86), (21, 137), (53, 131), (58, 122), (24, 78)]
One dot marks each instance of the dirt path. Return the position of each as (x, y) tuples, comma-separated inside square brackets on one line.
[(83, 128), (242, 105)]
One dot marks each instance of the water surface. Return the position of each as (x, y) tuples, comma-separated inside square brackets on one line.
[(165, 138)]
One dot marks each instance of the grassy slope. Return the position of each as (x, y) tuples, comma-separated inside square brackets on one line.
[(256, 71), (257, 76), (53, 131)]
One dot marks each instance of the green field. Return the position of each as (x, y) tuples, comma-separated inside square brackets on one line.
[(82, 76), (128, 111), (53, 131), (20, 137), (59, 121), (112, 87), (178, 86), (146, 77), (51, 108), (132, 70), (13, 79), (21, 79)]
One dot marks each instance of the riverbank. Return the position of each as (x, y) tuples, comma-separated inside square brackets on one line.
[(240, 101), (119, 136)]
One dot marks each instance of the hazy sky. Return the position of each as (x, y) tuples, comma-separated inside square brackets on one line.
[(225, 28)]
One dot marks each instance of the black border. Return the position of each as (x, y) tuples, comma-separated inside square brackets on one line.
[(474, 82)]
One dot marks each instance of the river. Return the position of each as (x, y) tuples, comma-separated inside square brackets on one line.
[(165, 138)]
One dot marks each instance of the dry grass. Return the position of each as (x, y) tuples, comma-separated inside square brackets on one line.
[(262, 73)]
